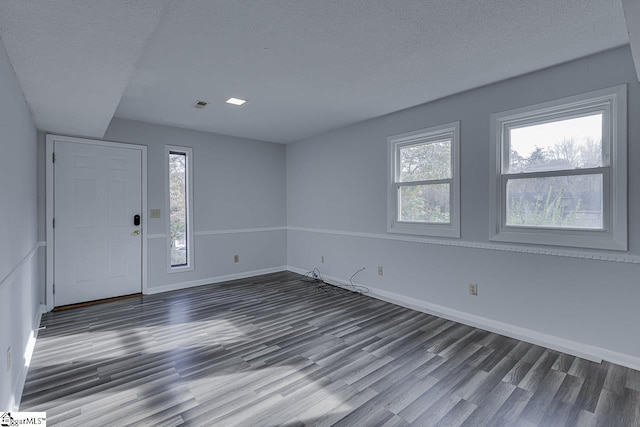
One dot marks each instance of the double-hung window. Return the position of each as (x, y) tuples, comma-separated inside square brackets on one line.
[(424, 188), (559, 174)]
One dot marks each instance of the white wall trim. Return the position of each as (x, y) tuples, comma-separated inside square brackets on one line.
[(49, 186), (221, 232), (238, 231), (598, 256), (585, 351), (12, 274), (212, 280), (50, 142), (28, 353)]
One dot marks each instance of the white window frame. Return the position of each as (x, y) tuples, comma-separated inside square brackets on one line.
[(612, 103), (395, 143), (168, 149)]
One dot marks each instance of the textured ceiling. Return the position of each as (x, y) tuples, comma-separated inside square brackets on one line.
[(306, 66), (74, 58)]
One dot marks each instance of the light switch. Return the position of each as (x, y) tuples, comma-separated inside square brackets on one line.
[(154, 213)]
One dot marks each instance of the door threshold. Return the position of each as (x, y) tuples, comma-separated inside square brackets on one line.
[(95, 302)]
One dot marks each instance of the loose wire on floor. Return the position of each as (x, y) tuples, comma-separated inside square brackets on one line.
[(315, 276), (361, 289)]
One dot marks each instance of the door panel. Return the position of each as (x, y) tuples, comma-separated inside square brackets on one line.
[(97, 192)]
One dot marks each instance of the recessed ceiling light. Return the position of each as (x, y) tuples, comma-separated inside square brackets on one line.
[(200, 104), (236, 101)]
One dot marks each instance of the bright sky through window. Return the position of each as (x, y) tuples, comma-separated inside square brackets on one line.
[(524, 140)]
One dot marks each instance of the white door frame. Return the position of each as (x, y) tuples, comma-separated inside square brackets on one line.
[(51, 139)]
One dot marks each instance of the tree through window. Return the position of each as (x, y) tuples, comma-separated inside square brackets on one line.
[(424, 191), (178, 208), (561, 172), (179, 218)]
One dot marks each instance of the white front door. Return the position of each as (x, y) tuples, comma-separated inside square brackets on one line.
[(98, 247)]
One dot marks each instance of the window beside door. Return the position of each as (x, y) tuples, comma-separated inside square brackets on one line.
[(179, 218)]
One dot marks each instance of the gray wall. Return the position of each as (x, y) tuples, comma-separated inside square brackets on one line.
[(337, 204), (19, 253), (239, 186), (331, 190)]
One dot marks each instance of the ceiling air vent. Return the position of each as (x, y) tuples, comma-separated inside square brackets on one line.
[(201, 104)]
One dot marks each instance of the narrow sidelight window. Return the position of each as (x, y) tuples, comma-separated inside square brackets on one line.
[(179, 233)]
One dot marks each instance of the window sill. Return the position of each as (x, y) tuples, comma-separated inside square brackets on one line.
[(435, 230), (565, 238), (185, 269)]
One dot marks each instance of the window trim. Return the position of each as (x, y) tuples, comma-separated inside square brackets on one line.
[(613, 236), (394, 142), (188, 152)]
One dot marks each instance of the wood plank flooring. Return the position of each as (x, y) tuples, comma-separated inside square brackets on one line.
[(274, 350)]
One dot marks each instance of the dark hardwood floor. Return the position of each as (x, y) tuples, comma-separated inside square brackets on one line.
[(274, 350)]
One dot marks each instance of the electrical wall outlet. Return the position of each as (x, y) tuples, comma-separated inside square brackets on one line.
[(8, 359), (322, 259), (380, 271), (473, 289), (236, 258)]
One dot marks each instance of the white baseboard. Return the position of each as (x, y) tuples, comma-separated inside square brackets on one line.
[(585, 351), (212, 280), (28, 352)]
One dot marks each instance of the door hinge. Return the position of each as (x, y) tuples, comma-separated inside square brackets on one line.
[(53, 157), (54, 288), (54, 223)]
